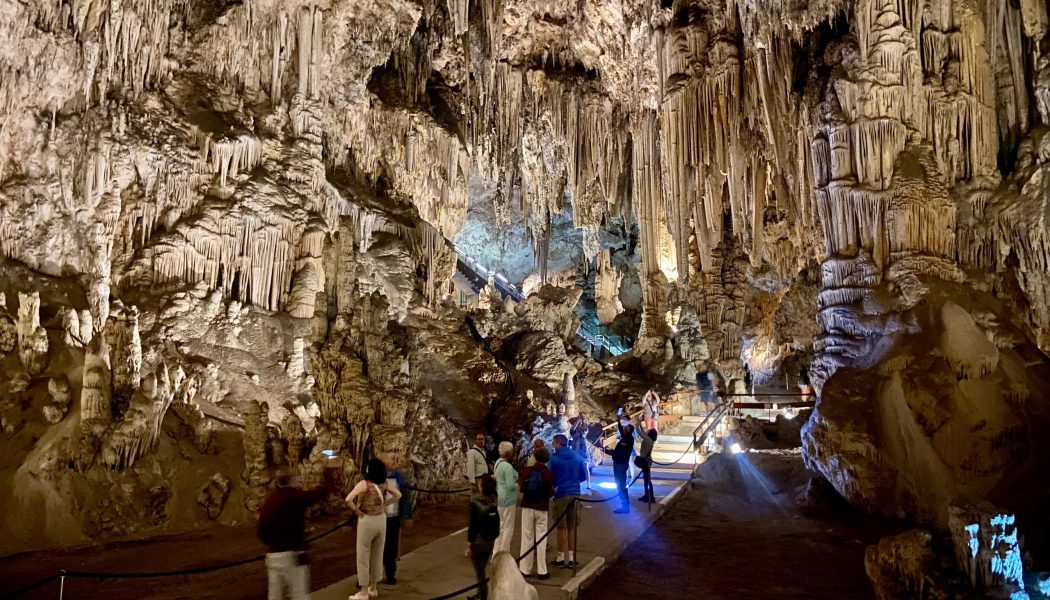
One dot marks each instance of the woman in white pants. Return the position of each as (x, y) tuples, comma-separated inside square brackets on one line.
[(537, 486), (368, 499)]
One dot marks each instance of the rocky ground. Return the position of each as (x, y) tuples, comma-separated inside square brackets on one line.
[(743, 534)]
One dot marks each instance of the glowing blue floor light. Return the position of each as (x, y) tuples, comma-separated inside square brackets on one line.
[(735, 448)]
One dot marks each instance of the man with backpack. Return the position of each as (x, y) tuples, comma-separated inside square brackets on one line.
[(537, 487), (482, 531), (477, 465)]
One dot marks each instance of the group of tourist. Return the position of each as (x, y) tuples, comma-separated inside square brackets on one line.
[(377, 500), (544, 490)]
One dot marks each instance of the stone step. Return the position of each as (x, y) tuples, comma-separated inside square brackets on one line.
[(674, 438)]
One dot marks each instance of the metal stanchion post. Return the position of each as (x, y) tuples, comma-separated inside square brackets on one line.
[(61, 586), (575, 534)]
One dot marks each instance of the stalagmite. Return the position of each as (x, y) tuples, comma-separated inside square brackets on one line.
[(125, 348), (296, 362), (32, 338), (71, 326), (139, 429), (607, 289)]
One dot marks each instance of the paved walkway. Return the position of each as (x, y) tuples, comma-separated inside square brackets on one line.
[(440, 567)]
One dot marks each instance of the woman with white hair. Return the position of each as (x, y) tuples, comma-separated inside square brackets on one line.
[(507, 497)]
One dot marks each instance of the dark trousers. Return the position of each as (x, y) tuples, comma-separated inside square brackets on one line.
[(620, 473), (391, 546), (480, 553), (647, 478)]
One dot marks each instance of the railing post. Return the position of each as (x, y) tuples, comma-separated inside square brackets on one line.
[(575, 534), (61, 584)]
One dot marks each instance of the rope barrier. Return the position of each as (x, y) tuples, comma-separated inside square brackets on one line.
[(532, 549), (426, 491), (675, 461), (150, 574)]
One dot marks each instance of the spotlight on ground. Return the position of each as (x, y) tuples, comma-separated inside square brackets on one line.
[(607, 485), (735, 448)]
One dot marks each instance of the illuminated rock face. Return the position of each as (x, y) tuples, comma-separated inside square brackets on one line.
[(256, 198)]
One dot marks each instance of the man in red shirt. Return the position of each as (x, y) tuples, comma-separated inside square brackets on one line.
[(282, 527)]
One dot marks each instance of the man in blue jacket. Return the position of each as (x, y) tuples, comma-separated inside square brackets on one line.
[(568, 470)]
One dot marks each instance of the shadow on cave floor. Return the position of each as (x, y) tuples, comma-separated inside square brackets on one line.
[(749, 539), (331, 558)]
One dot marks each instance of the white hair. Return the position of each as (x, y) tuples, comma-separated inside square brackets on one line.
[(505, 448)]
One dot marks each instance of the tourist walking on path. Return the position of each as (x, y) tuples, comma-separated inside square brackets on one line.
[(476, 463), (537, 486), (368, 499), (507, 495), (282, 527), (568, 471), (748, 379), (396, 513), (644, 460), (651, 410), (621, 455), (482, 531)]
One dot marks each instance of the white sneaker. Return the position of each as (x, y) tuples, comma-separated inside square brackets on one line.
[(373, 593), (360, 595)]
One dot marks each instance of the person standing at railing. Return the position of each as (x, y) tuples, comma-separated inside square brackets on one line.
[(580, 445), (537, 486), (396, 513), (507, 495), (621, 455), (282, 527), (568, 471), (651, 410), (368, 499), (483, 529), (644, 461), (477, 465)]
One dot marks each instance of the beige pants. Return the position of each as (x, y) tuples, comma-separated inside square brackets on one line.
[(371, 535)]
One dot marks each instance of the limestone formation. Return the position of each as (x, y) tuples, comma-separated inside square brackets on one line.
[(214, 494), (60, 399), (32, 338), (898, 566), (139, 428)]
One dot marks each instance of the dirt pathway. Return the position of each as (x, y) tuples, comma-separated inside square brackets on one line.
[(332, 559), (747, 539)]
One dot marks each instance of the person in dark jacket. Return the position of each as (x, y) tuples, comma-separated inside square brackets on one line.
[(621, 455), (645, 463), (282, 527), (536, 483), (396, 513), (482, 531)]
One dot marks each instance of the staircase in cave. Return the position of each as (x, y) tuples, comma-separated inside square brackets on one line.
[(589, 336)]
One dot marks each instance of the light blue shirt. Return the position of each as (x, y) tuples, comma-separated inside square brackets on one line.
[(506, 483)]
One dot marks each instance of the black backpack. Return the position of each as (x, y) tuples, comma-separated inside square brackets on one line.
[(534, 490), (489, 529)]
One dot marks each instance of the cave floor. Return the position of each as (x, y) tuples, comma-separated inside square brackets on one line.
[(332, 559), (730, 542)]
